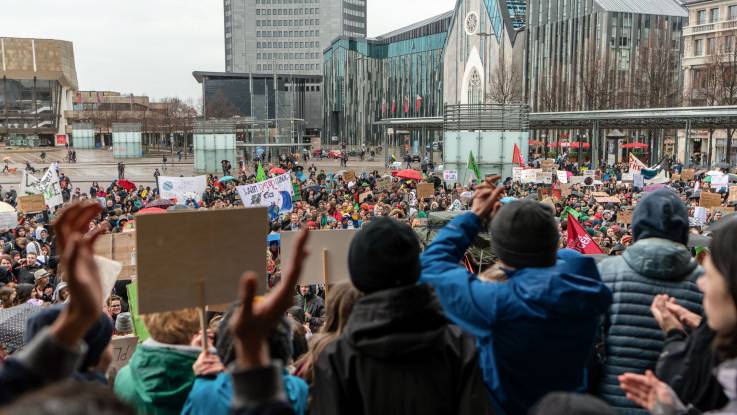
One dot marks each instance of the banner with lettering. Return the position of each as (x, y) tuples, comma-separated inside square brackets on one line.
[(276, 194)]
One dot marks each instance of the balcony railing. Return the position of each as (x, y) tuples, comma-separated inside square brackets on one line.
[(729, 24)]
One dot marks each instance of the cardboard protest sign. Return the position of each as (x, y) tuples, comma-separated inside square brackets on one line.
[(277, 192), (425, 190), (547, 164), (688, 174), (196, 258), (607, 199), (565, 190), (628, 177), (31, 204), (120, 247), (625, 217), (48, 186), (562, 176), (675, 177), (600, 194), (138, 327), (450, 175), (122, 348), (349, 176), (529, 175), (182, 188), (328, 260), (732, 194), (710, 200), (575, 179), (544, 192), (724, 210)]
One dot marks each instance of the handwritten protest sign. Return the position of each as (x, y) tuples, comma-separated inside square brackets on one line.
[(638, 181), (328, 260), (450, 175), (48, 186), (565, 190), (31, 204), (547, 164), (625, 217), (608, 199), (173, 272), (120, 247), (517, 174), (182, 188), (732, 194), (688, 174), (273, 193), (719, 181), (425, 190), (562, 176), (122, 349), (575, 179), (544, 177), (349, 176), (710, 200), (8, 217)]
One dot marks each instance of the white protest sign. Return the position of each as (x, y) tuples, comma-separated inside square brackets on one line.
[(638, 180), (8, 216), (628, 177), (562, 176), (450, 175), (182, 188), (48, 186), (719, 181), (700, 214), (273, 192), (122, 349), (530, 175), (544, 177), (517, 174)]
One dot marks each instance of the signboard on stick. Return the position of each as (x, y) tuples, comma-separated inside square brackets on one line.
[(450, 175), (328, 260), (120, 247), (122, 349), (425, 190), (276, 192), (710, 200), (182, 188), (31, 204), (349, 176), (688, 174), (732, 194), (180, 261)]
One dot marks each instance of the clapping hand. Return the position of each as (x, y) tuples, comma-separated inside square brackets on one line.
[(486, 198), (665, 318), (252, 324)]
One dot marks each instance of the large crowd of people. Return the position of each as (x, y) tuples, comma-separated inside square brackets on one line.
[(648, 326)]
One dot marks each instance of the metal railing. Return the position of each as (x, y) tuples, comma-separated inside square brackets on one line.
[(486, 117), (728, 24)]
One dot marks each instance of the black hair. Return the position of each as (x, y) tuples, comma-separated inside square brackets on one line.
[(724, 239)]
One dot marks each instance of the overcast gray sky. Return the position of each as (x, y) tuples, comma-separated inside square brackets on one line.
[(152, 46)]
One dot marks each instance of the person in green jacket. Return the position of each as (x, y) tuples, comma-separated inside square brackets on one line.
[(159, 376)]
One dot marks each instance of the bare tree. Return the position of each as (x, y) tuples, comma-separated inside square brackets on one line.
[(656, 81), (219, 106), (505, 85)]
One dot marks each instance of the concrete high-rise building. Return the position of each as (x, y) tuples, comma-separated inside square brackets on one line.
[(287, 36)]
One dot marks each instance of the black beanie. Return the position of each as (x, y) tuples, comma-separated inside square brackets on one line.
[(384, 254), (524, 234), (661, 214)]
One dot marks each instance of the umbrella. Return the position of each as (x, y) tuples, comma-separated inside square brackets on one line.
[(721, 165), (126, 184), (579, 144), (148, 210), (228, 178), (13, 325), (553, 144), (409, 174), (635, 145), (714, 173), (274, 170), (160, 203)]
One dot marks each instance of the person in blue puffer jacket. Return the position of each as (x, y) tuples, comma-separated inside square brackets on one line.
[(536, 331), (657, 263)]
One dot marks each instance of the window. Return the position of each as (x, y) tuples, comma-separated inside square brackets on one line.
[(474, 88), (710, 46), (701, 17), (698, 47), (729, 43), (714, 15), (732, 12)]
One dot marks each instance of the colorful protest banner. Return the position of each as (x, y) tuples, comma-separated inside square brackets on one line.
[(182, 188), (276, 193), (450, 176), (48, 186), (168, 281), (327, 262), (31, 204)]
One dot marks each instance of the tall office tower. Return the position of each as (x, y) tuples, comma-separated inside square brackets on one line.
[(287, 36)]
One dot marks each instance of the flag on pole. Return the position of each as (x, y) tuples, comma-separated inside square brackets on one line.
[(517, 157), (570, 211), (260, 175), (473, 166), (636, 165), (579, 239)]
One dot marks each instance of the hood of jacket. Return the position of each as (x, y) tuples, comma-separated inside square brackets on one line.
[(570, 288), (397, 323), (660, 259), (161, 375)]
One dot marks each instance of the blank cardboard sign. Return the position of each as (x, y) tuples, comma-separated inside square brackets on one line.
[(119, 247), (179, 252), (335, 243)]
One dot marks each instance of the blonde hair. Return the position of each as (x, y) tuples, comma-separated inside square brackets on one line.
[(173, 327)]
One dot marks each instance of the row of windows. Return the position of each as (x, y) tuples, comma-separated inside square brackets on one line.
[(278, 55), (300, 22), (728, 45), (288, 67), (287, 1), (286, 45), (352, 12), (353, 2), (287, 12), (354, 23), (285, 33), (714, 15), (353, 34)]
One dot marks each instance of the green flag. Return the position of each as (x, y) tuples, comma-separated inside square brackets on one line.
[(473, 166), (260, 175), (570, 210)]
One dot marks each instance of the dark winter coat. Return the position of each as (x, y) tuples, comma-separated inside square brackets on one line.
[(399, 355), (633, 340), (314, 305)]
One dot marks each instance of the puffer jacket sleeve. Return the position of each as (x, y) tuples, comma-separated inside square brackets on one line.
[(467, 301)]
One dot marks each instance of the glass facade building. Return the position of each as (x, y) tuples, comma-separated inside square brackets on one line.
[(397, 75)]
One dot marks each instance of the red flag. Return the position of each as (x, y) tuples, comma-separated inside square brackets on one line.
[(517, 157), (579, 239), (418, 103)]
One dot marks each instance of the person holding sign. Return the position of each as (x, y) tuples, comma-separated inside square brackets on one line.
[(541, 321), (397, 353)]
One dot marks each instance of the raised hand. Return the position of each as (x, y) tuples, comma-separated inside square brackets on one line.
[(253, 323), (646, 390), (486, 198)]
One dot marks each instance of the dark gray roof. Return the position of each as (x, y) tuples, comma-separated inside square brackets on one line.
[(659, 7), (413, 26)]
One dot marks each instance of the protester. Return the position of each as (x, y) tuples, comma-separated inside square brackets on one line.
[(312, 305), (396, 321), (657, 263), (542, 321), (719, 285)]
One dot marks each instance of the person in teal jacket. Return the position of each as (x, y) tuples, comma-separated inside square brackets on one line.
[(535, 331)]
